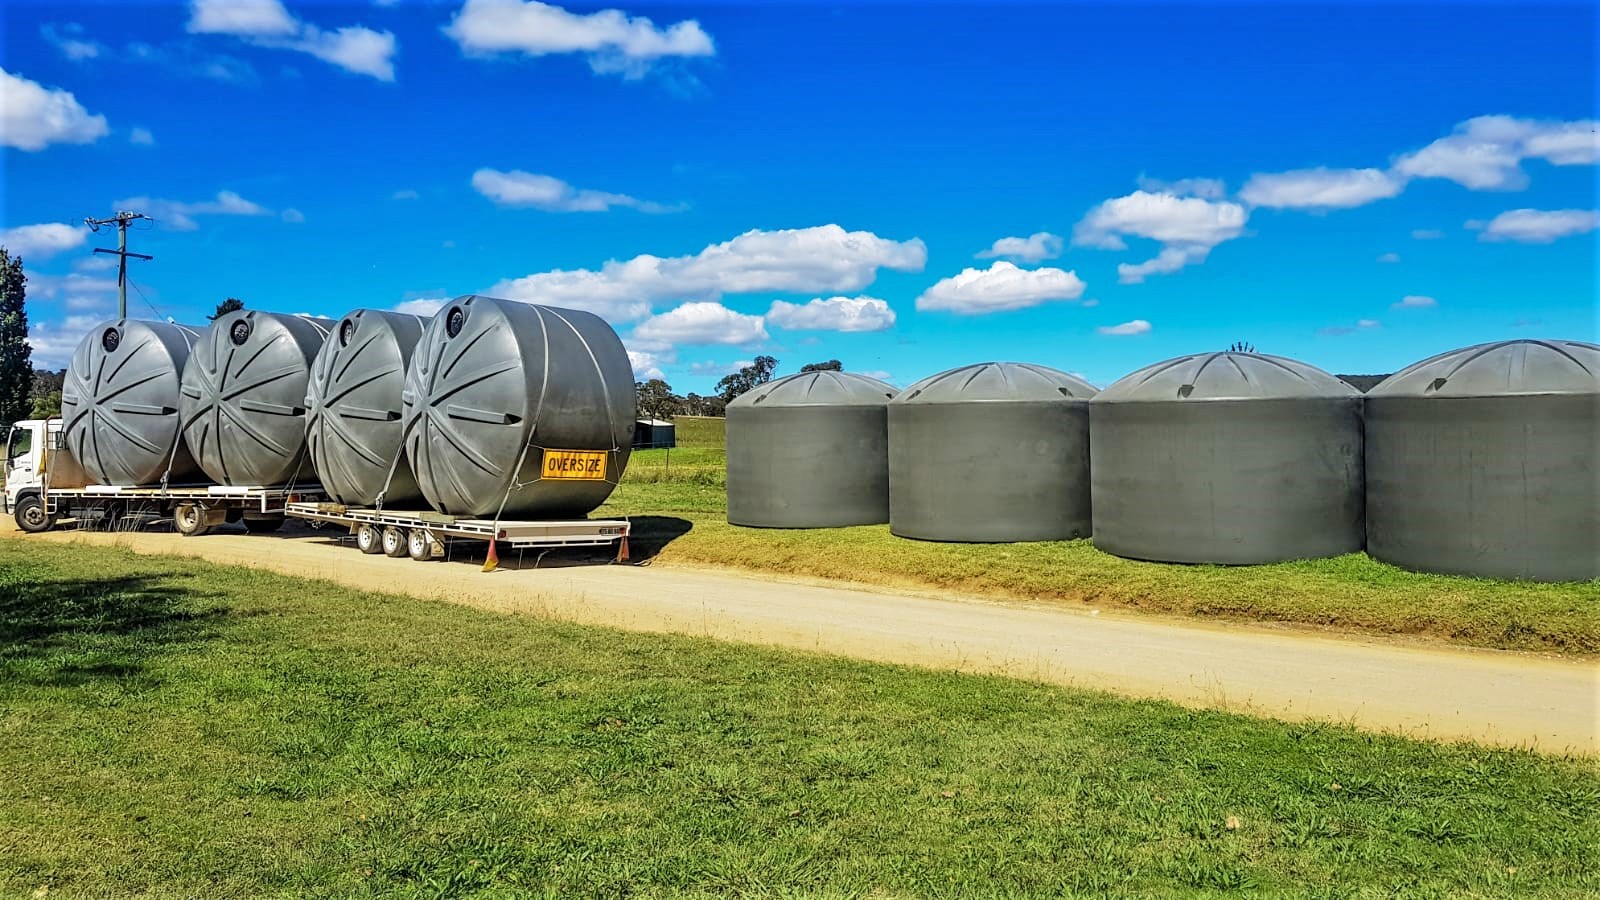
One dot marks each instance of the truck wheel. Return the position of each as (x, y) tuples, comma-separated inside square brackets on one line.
[(263, 526), (394, 542), (368, 539), (190, 520), (31, 516), (419, 545)]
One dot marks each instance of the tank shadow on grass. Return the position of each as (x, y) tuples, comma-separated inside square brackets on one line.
[(71, 631)]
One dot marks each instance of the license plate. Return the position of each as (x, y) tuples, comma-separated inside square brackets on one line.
[(574, 465)]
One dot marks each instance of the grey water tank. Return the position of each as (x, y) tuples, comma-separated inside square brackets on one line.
[(1231, 458), (244, 395), (991, 452), (353, 409), (1486, 461), (810, 451), (518, 409), (119, 403)]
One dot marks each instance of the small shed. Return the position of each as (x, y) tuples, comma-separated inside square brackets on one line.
[(654, 434)]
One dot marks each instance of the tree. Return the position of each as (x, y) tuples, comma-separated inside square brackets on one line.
[(746, 379), (832, 365), (46, 393), (232, 304), (656, 400), (16, 357)]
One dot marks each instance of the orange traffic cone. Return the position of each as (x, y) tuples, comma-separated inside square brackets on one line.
[(622, 549), (492, 561)]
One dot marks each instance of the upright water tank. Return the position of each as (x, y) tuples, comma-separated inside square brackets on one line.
[(353, 409), (989, 453), (1232, 458), (244, 394), (1486, 461), (119, 403), (518, 410), (810, 451)]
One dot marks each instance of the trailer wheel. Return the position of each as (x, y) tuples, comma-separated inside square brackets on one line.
[(419, 544), (368, 538), (190, 520), (394, 542), (31, 516), (263, 526)]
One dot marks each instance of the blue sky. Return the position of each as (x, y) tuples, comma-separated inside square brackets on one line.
[(904, 187)]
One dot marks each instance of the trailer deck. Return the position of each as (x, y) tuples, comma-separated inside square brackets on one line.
[(421, 535)]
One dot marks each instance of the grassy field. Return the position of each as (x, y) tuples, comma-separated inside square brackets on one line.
[(173, 728), (1349, 593)]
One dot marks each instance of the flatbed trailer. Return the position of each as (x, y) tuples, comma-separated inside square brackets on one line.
[(423, 535), (194, 509)]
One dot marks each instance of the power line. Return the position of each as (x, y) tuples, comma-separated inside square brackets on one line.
[(121, 220)]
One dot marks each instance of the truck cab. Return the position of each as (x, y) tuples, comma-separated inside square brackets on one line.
[(25, 467)]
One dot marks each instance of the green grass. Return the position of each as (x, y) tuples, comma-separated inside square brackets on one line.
[(174, 728), (700, 432), (1348, 593)]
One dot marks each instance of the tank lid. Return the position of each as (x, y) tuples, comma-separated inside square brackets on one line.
[(819, 389), (1226, 375), (998, 382), (1501, 368)]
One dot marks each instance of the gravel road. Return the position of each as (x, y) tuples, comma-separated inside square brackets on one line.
[(1552, 705)]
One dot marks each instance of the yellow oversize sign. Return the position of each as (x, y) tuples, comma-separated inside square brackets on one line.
[(575, 465)]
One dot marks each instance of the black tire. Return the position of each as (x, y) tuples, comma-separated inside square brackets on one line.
[(31, 516), (368, 538), (419, 545), (394, 542), (263, 526), (189, 520)]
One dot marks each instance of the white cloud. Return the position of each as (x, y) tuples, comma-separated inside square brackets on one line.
[(1427, 234), (1034, 248), (1415, 301), (715, 369), (879, 374), (1486, 153), (611, 40), (42, 285), (420, 306), (999, 288), (293, 216), (53, 343), (42, 240), (1368, 323), (833, 314), (702, 323), (1188, 227), (1539, 226), (141, 137), (1137, 326), (645, 364), (70, 41), (405, 194), (94, 263), (33, 116), (546, 192), (180, 216), (1389, 258), (1207, 188), (822, 259), (1320, 188), (266, 23)]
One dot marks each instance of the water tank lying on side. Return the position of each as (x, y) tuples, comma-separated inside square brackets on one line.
[(353, 409), (1231, 458), (119, 403), (991, 452), (518, 410), (244, 394), (1486, 461), (810, 451)]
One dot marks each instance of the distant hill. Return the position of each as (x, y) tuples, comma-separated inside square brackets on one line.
[(1362, 383)]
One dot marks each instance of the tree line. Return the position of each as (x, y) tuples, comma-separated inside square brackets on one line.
[(656, 399)]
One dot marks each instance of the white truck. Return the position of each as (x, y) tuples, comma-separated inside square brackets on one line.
[(46, 486)]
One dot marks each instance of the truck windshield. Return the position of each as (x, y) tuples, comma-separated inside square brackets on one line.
[(20, 443)]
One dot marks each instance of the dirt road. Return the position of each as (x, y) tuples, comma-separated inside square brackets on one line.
[(1485, 696)]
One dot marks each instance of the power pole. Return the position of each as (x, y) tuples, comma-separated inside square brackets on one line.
[(121, 220)]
